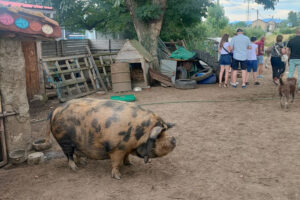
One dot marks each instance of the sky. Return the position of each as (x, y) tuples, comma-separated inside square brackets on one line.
[(236, 10)]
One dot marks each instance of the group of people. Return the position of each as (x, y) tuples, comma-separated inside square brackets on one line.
[(248, 55), (243, 53)]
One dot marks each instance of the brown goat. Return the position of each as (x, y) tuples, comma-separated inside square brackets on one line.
[(286, 89)]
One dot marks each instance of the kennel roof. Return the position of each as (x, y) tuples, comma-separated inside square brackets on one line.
[(133, 51), (21, 22)]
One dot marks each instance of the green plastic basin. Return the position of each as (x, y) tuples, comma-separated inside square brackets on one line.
[(128, 98)]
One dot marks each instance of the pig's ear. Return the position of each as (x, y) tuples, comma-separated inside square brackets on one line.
[(170, 125), (156, 131)]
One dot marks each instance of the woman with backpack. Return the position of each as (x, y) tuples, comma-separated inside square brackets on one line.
[(225, 59), (278, 66)]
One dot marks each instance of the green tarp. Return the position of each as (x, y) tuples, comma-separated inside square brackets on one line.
[(182, 53)]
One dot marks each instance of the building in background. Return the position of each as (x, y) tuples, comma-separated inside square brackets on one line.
[(268, 25)]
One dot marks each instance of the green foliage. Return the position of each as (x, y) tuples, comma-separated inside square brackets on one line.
[(239, 25), (294, 18), (228, 30), (182, 16), (216, 19), (257, 32), (268, 4), (149, 12), (287, 30)]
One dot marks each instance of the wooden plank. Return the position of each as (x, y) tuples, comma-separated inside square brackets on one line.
[(31, 68), (2, 139), (71, 82), (104, 71), (92, 61), (69, 71), (72, 75), (63, 58), (82, 75), (62, 76)]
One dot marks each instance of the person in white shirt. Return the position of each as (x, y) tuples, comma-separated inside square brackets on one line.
[(252, 61), (225, 59)]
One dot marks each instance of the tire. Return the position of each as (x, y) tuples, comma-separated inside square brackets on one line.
[(209, 60), (185, 84), (205, 76)]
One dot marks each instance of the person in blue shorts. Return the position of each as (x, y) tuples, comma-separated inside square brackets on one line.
[(225, 59), (252, 61)]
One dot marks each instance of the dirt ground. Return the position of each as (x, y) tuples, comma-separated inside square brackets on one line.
[(241, 147)]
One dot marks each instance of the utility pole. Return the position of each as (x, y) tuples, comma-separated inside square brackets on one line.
[(257, 14), (248, 12)]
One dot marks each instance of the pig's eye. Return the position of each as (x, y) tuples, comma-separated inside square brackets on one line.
[(160, 135)]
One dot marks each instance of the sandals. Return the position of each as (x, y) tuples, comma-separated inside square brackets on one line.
[(223, 85)]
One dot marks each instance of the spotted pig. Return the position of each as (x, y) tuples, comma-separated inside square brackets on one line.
[(105, 129)]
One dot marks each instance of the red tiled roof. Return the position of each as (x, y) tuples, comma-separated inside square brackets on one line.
[(24, 5)]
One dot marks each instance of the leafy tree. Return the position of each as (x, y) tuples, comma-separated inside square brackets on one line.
[(181, 17), (268, 4), (254, 32), (239, 25), (293, 18), (229, 30), (216, 19), (146, 16)]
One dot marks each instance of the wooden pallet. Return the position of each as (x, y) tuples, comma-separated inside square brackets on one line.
[(72, 76), (104, 61)]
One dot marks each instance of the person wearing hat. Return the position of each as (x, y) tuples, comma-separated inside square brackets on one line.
[(294, 51), (240, 45)]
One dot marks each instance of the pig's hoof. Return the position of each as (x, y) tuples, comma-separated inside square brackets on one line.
[(116, 174), (83, 162), (127, 163), (73, 166)]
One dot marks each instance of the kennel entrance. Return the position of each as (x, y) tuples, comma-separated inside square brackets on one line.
[(137, 75)]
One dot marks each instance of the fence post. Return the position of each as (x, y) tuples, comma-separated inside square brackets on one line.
[(109, 45)]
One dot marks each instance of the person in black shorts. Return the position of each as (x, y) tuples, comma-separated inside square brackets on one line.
[(240, 44)]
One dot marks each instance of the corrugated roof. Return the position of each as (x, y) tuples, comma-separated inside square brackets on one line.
[(24, 5)]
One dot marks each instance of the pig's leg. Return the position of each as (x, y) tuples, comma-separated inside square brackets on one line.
[(80, 158), (117, 158), (126, 160), (68, 148)]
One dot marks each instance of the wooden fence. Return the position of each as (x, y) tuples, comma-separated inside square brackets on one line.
[(78, 47)]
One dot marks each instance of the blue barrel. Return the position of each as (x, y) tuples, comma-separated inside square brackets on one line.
[(210, 80)]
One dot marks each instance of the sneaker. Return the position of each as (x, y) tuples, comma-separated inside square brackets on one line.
[(247, 83), (233, 85), (260, 76), (243, 86)]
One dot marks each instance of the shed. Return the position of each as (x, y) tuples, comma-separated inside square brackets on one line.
[(19, 29), (140, 61)]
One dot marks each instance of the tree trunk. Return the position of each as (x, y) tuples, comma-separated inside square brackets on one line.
[(148, 33)]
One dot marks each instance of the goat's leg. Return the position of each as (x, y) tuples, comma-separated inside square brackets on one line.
[(286, 102), (281, 101), (293, 95)]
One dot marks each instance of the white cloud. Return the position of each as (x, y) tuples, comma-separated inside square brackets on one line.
[(236, 10)]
